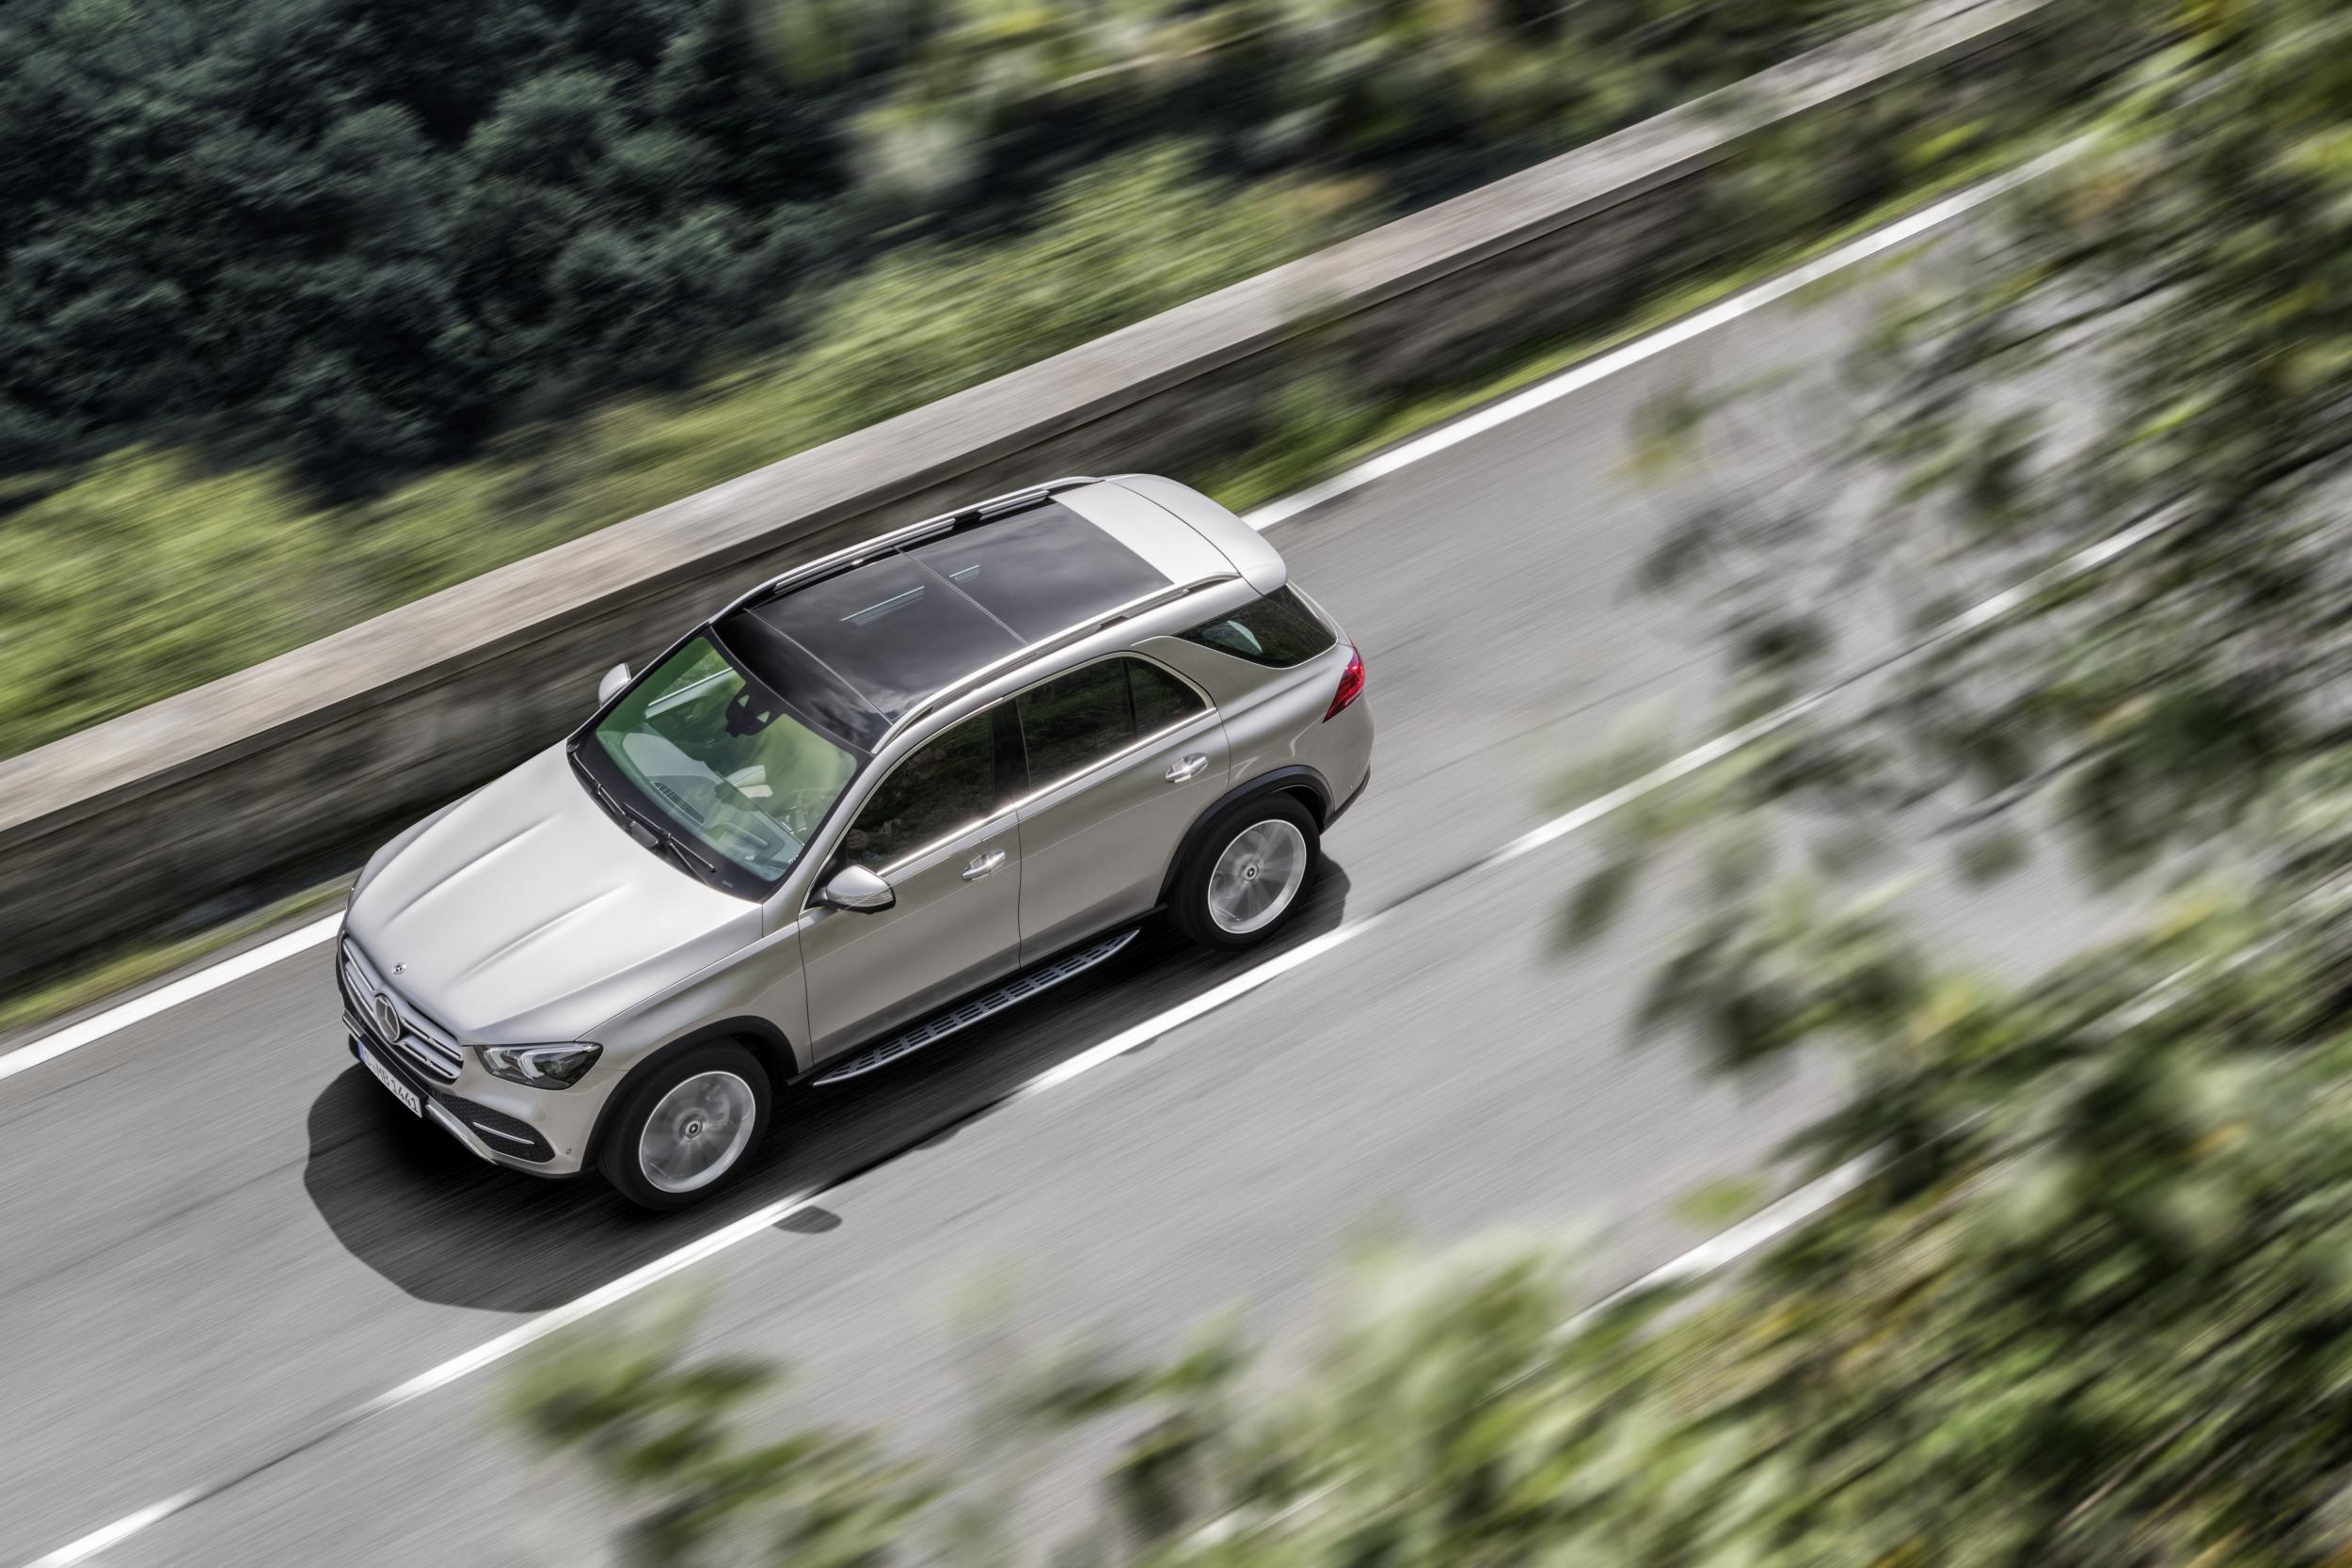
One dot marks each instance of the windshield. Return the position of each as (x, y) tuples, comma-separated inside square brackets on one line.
[(722, 759)]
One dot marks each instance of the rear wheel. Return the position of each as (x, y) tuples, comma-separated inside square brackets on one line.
[(1247, 876), (689, 1128)]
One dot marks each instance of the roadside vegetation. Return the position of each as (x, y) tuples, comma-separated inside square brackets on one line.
[(305, 314), (2090, 1304)]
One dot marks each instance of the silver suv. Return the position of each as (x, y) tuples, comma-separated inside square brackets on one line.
[(866, 805)]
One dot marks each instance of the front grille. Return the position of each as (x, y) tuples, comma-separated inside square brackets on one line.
[(418, 1043)]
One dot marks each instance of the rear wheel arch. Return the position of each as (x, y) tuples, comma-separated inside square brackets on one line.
[(1297, 780)]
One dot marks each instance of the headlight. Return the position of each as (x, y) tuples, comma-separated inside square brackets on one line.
[(541, 1066)]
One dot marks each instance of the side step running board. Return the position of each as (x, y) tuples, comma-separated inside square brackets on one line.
[(989, 1003)]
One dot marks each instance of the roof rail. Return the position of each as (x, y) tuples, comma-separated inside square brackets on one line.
[(898, 538), (966, 685)]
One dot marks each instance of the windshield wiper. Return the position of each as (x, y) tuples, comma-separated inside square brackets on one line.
[(651, 834), (706, 869)]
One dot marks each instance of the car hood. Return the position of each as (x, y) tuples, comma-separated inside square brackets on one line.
[(523, 912)]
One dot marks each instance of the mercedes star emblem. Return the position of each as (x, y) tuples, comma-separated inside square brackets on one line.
[(387, 1016)]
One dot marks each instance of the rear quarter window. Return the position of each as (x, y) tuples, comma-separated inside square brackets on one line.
[(1278, 630)]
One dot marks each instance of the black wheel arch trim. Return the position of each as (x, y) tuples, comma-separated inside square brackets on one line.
[(1292, 778), (758, 1035)]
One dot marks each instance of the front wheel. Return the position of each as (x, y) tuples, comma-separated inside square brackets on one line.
[(689, 1128), (1245, 877)]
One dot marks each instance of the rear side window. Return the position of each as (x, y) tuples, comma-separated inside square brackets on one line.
[(1073, 721), (1160, 698), (1277, 630)]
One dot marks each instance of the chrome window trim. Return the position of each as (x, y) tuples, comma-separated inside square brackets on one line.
[(1075, 632), (1153, 739), (1207, 710)]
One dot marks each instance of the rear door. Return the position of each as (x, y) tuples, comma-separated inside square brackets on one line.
[(939, 829), (1122, 755)]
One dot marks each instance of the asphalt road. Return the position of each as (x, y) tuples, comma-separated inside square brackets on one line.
[(219, 1234)]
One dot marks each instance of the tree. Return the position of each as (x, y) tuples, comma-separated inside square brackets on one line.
[(658, 1429), (2151, 342)]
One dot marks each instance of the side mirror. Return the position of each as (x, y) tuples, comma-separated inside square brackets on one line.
[(853, 887), (609, 688)]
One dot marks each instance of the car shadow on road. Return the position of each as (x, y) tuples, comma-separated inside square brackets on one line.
[(405, 1200)]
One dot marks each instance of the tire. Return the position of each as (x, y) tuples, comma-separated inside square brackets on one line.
[(697, 1100), (1273, 834)]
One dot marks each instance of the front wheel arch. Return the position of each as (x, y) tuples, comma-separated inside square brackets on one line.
[(762, 1038)]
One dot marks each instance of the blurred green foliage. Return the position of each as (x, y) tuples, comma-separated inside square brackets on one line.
[(661, 1432), (977, 95), (2093, 1309), (303, 313), (2151, 339)]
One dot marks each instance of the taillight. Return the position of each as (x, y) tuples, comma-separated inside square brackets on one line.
[(1351, 684)]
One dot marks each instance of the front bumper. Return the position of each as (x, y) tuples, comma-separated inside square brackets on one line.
[(522, 1147), (541, 1131)]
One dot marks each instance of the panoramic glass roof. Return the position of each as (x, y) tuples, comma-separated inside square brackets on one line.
[(849, 653)]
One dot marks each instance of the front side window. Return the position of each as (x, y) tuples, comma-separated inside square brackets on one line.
[(950, 783), (720, 758), (1277, 630), (1075, 721)]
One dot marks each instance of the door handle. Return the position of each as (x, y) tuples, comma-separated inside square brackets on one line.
[(982, 865), (1184, 768)]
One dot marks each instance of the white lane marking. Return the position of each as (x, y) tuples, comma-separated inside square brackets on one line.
[(122, 1529), (1720, 1251), (1673, 335), (1470, 426), (164, 998), (554, 1321), (1789, 1211)]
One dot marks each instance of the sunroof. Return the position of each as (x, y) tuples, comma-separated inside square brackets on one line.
[(851, 653), (1041, 570), (891, 630)]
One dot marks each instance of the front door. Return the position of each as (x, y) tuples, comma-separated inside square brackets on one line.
[(937, 830), (1124, 756)]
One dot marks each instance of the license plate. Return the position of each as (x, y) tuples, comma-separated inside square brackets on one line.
[(401, 1091)]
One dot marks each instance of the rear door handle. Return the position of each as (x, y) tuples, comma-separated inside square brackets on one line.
[(1187, 768), (982, 865)]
